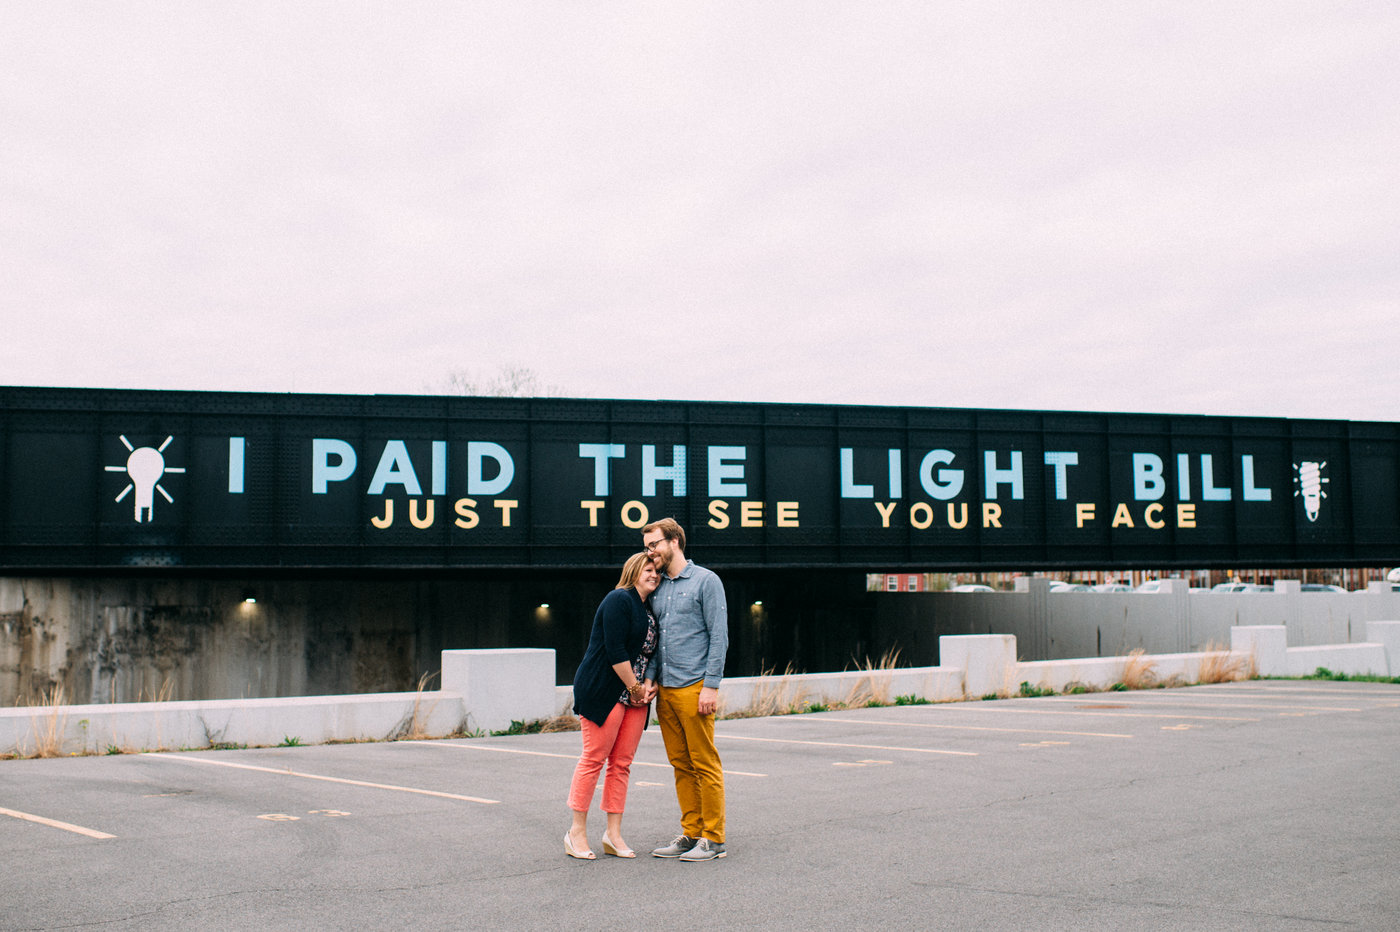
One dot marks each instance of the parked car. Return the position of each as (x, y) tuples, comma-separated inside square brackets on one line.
[(1059, 585), (1321, 587), (972, 587), (1112, 587), (1230, 587), (1152, 585)]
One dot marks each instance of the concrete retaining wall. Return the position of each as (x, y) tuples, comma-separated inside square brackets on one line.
[(487, 690)]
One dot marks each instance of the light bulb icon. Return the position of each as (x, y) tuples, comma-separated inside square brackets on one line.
[(145, 467), (1310, 481)]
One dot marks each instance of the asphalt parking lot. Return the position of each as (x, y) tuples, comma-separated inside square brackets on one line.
[(1258, 805)]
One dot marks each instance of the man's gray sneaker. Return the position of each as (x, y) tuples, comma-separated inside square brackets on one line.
[(678, 846), (704, 850)]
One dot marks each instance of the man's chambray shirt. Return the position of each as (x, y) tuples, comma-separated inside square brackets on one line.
[(694, 620)]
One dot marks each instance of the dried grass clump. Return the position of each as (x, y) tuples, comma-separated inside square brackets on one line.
[(774, 695), (872, 689), (1220, 665), (417, 727), (1138, 671), (48, 727), (561, 722)]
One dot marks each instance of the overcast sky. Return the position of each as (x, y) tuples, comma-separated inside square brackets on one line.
[(1167, 207)]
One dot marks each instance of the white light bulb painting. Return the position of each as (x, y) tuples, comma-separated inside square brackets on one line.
[(1310, 481), (145, 467)]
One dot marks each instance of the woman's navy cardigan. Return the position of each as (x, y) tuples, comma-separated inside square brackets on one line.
[(619, 629)]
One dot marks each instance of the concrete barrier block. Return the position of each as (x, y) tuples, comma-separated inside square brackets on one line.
[(1387, 634), (1096, 673), (1267, 644), (151, 726), (988, 662), (501, 686), (1353, 659)]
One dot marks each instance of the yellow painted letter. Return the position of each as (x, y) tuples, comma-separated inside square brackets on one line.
[(592, 508), (720, 511), (787, 514), (751, 514), (1083, 511), (424, 522), (388, 518), (506, 504), (991, 514), (642, 514), (1121, 516), (957, 523), (885, 512), (469, 518), (1185, 515)]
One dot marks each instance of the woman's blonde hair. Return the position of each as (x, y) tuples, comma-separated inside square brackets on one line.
[(632, 570)]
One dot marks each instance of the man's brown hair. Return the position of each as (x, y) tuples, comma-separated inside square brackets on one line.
[(669, 529)]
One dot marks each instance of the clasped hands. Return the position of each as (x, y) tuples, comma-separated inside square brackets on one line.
[(642, 693)]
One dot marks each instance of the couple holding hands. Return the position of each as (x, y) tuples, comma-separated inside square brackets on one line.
[(661, 634)]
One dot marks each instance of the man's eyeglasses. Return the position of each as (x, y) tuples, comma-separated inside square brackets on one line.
[(651, 547)]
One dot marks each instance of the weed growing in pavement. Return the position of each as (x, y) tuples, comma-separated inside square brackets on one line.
[(538, 726), (912, 699), (1322, 673), (1035, 692), (290, 741)]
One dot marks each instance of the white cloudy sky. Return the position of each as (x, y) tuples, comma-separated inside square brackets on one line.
[(1186, 206)]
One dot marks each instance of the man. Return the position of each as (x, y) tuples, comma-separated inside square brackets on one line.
[(694, 620)]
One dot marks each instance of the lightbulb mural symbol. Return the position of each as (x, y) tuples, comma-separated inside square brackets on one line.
[(1310, 481), (145, 467)]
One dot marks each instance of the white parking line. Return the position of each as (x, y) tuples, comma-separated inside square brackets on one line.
[(837, 744), (1005, 709), (1283, 690), (1033, 731), (185, 759), (1190, 702), (635, 763), (54, 823)]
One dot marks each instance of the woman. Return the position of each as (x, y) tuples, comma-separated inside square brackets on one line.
[(613, 690)]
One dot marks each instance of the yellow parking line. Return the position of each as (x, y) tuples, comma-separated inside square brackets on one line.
[(54, 823), (1033, 731), (836, 744), (315, 776), (635, 763)]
